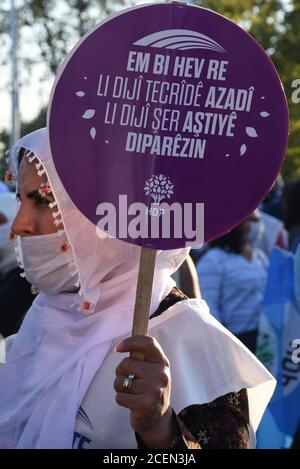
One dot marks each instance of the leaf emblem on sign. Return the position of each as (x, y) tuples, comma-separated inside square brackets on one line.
[(243, 149), (89, 113), (251, 132), (93, 133)]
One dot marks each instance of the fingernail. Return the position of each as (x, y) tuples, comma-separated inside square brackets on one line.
[(119, 347)]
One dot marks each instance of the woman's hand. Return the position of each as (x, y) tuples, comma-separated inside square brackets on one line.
[(149, 395)]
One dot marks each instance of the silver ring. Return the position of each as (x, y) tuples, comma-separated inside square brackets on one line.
[(128, 382)]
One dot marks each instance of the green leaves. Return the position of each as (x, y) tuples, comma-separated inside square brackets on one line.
[(275, 24)]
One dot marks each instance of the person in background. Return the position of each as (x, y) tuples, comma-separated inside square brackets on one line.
[(15, 291), (274, 234), (291, 213), (233, 274), (272, 203), (3, 187), (186, 279)]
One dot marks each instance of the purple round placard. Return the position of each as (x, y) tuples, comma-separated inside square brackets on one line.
[(168, 125)]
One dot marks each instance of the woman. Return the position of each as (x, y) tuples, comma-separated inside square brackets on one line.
[(64, 384), (290, 203), (233, 274)]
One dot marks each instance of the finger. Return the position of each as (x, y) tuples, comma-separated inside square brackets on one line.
[(138, 385), (148, 345), (136, 402), (139, 368)]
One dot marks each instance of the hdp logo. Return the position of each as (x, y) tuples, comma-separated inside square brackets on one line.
[(159, 187)]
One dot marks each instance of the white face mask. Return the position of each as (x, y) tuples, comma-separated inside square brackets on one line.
[(48, 262)]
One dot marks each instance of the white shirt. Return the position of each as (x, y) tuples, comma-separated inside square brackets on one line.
[(233, 287)]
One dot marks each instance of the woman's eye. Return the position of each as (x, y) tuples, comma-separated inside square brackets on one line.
[(38, 200)]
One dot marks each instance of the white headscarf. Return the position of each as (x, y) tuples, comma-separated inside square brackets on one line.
[(59, 348)]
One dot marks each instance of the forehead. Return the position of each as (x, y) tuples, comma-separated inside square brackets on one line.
[(28, 178)]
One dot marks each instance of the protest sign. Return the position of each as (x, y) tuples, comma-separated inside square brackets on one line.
[(168, 125)]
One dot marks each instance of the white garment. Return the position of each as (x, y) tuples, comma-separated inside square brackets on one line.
[(200, 370), (63, 346), (58, 349)]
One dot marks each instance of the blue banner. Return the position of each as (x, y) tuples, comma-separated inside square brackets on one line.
[(278, 332)]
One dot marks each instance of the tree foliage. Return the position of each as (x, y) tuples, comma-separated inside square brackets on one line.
[(277, 29), (287, 60)]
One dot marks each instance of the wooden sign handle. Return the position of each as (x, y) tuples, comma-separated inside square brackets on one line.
[(143, 295)]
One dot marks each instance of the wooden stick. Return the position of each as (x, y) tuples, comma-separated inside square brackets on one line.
[(143, 295)]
